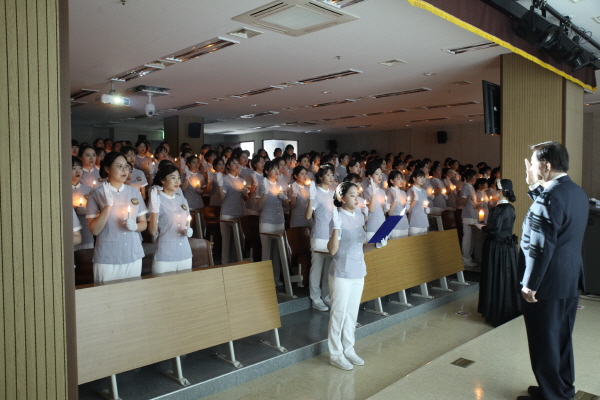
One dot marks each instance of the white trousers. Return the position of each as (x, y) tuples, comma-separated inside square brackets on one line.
[(270, 246), (159, 267), (399, 233), (112, 272), (416, 231), (345, 301), (228, 243), (319, 270), (467, 239)]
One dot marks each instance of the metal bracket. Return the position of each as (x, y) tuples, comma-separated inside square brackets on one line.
[(378, 308), (424, 292), (231, 359), (443, 285), (274, 343), (176, 374), (461, 279), (403, 300), (112, 393)]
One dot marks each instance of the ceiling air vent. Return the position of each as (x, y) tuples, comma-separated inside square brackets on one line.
[(471, 47), (200, 49), (331, 103), (255, 92), (307, 123), (218, 99), (461, 83), (143, 90), (449, 105), (289, 109), (82, 93), (402, 92), (474, 115), (295, 17), (327, 77), (385, 112), (245, 33), (393, 62), (430, 119), (186, 106)]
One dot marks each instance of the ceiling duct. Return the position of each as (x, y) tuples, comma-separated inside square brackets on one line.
[(143, 90), (75, 103), (400, 93), (186, 106), (245, 33), (331, 103), (295, 17), (82, 93), (470, 47), (255, 92), (342, 3), (200, 49), (327, 77), (449, 105)]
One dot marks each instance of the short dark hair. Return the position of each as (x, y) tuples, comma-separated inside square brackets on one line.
[(269, 166), (75, 161), (107, 162), (74, 143), (297, 170), (554, 153), (352, 177), (323, 169), (417, 173)]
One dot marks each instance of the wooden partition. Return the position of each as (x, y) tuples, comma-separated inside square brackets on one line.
[(410, 261), (131, 323)]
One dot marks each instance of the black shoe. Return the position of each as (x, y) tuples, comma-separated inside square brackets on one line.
[(525, 398), (534, 391)]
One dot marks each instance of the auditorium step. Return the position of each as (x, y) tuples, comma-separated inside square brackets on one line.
[(303, 334)]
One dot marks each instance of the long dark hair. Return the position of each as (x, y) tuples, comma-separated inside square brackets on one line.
[(344, 186), (162, 174), (323, 168)]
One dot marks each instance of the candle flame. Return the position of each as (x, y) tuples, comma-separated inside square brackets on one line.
[(189, 218), (81, 201), (425, 203), (244, 183), (128, 208), (94, 183)]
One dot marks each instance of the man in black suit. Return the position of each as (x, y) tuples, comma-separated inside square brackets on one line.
[(551, 267)]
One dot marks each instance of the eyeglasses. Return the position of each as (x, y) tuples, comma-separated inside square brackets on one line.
[(122, 167)]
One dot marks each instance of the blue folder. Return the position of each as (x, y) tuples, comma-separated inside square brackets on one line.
[(386, 228)]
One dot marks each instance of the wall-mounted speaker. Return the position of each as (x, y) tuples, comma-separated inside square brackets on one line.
[(442, 137), (194, 129), (332, 145), (142, 137)]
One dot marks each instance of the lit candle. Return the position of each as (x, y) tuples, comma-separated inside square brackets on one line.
[(425, 203), (280, 189), (408, 200), (385, 185), (444, 191), (386, 199), (244, 183), (189, 218), (307, 182), (128, 211), (481, 215), (81, 202), (94, 185), (453, 187)]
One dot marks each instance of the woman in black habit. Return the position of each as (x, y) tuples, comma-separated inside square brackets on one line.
[(499, 293)]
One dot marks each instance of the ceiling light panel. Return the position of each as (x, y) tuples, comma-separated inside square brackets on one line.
[(401, 92), (385, 112), (330, 103), (461, 83), (360, 126), (338, 118), (597, 19), (201, 49), (592, 103), (449, 105), (471, 47), (430, 119), (255, 92), (186, 106), (295, 17), (335, 75), (343, 3)]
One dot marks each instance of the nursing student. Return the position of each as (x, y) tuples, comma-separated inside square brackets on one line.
[(375, 196), (254, 180), (194, 185), (469, 202), (320, 208), (398, 203), (138, 178), (142, 160), (298, 195), (346, 276), (419, 205), (81, 193), (233, 193), (272, 200), (170, 218), (91, 175), (116, 213)]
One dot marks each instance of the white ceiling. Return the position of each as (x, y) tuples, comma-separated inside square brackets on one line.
[(108, 38)]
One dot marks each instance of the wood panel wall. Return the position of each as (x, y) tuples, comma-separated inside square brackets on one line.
[(33, 335), (591, 148), (573, 129), (532, 112)]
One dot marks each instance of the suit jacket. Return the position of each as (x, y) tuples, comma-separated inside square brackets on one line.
[(551, 261)]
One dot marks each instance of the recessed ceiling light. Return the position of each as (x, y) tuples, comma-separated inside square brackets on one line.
[(326, 92), (407, 125), (391, 63), (597, 19), (253, 105), (429, 73)]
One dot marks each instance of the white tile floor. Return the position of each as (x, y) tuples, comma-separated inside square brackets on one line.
[(502, 369), (412, 361)]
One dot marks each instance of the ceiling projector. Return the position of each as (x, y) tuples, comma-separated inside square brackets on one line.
[(114, 100)]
